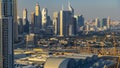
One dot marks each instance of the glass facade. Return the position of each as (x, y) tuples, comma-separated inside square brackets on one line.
[(6, 33)]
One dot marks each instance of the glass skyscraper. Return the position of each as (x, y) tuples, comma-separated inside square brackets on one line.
[(6, 33)]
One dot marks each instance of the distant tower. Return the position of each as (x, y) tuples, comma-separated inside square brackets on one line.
[(79, 21), (55, 23), (108, 22), (20, 26), (66, 23), (38, 20), (7, 19), (44, 18), (96, 22), (25, 22), (70, 8), (15, 20), (32, 24)]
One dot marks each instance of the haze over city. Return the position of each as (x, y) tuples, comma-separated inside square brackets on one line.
[(89, 8), (59, 34)]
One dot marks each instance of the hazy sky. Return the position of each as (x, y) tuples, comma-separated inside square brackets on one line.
[(90, 9)]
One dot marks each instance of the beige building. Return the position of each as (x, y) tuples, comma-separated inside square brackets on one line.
[(55, 23), (44, 17), (30, 40)]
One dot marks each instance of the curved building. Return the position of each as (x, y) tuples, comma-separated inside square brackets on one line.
[(60, 63)]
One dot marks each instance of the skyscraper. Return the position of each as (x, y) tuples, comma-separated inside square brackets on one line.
[(70, 8), (108, 22), (96, 22), (55, 23), (66, 22), (20, 26), (44, 18), (25, 22), (37, 24), (80, 21), (6, 33), (32, 24), (15, 20)]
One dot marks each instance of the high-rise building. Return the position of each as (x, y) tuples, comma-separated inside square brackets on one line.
[(66, 22), (25, 22), (104, 22), (20, 26), (55, 23), (6, 33), (15, 20), (32, 22), (70, 8), (80, 21), (38, 19), (66, 19), (108, 22), (44, 18)]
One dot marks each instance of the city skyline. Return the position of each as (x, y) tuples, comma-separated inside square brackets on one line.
[(89, 9)]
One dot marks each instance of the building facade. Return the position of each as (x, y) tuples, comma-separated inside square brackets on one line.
[(44, 18), (38, 19), (25, 22), (6, 33)]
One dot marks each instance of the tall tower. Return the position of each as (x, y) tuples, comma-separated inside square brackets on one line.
[(15, 21), (25, 22), (44, 18), (70, 8), (37, 19), (96, 22), (108, 22), (6, 33), (55, 22), (32, 22)]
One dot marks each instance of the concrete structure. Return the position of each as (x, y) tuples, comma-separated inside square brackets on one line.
[(7, 20)]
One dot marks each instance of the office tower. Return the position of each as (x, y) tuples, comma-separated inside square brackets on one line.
[(104, 22), (80, 21), (97, 23), (44, 18), (65, 23), (37, 24), (6, 33), (15, 20), (32, 22), (108, 22), (70, 8), (55, 23), (74, 26), (20, 26), (25, 22), (49, 21)]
